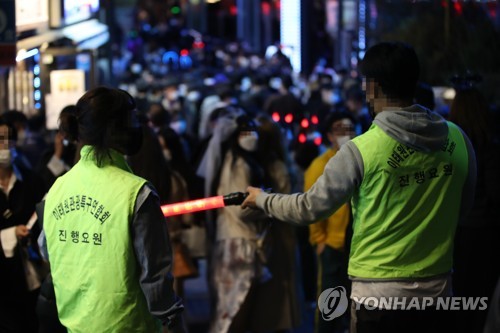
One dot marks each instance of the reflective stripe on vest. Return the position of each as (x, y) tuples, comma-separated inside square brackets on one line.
[(87, 218), (406, 209)]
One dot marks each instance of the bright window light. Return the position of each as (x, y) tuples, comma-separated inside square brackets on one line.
[(290, 29), (23, 54)]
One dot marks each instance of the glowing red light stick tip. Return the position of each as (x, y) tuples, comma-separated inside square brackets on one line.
[(193, 206), (198, 205)]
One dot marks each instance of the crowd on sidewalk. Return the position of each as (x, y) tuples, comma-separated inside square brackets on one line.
[(235, 120)]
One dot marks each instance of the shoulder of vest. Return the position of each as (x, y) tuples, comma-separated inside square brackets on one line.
[(368, 136), (456, 131), (123, 173), (63, 177), (453, 126), (131, 176)]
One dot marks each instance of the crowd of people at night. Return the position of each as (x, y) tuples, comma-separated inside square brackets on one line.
[(230, 120)]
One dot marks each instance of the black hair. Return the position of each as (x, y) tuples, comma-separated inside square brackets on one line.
[(14, 116), (306, 153), (150, 164), (245, 124), (158, 115), (286, 81), (103, 114), (36, 123), (333, 117), (271, 148), (470, 111), (179, 161), (355, 93), (424, 95), (325, 80), (259, 79), (12, 130), (224, 91), (271, 141), (68, 123), (220, 112), (394, 66)]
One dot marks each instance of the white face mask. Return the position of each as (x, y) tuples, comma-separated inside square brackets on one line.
[(243, 62), (341, 140), (21, 135), (275, 83), (179, 126), (193, 96), (327, 96), (165, 103), (172, 95), (249, 142), (5, 157), (167, 154), (246, 84)]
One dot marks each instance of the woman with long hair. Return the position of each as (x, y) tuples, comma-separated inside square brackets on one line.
[(279, 301), (237, 267)]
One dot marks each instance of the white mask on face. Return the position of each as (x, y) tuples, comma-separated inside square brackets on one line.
[(5, 157), (172, 95), (249, 142), (167, 154), (341, 140), (165, 103), (246, 84), (179, 126), (243, 62), (21, 135), (193, 96)]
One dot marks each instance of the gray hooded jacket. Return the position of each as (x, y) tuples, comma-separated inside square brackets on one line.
[(415, 126)]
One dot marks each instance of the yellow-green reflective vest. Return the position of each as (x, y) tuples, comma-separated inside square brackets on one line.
[(87, 219), (406, 209)]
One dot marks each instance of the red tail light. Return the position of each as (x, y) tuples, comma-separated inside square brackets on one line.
[(302, 138), (276, 117)]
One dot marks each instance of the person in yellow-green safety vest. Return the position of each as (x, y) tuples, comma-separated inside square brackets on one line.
[(410, 178), (104, 232)]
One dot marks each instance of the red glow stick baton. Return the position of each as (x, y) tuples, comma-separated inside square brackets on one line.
[(203, 204)]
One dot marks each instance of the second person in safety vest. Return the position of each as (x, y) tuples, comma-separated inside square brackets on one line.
[(410, 178), (105, 233)]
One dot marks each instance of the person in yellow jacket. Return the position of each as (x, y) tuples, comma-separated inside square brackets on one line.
[(329, 234)]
